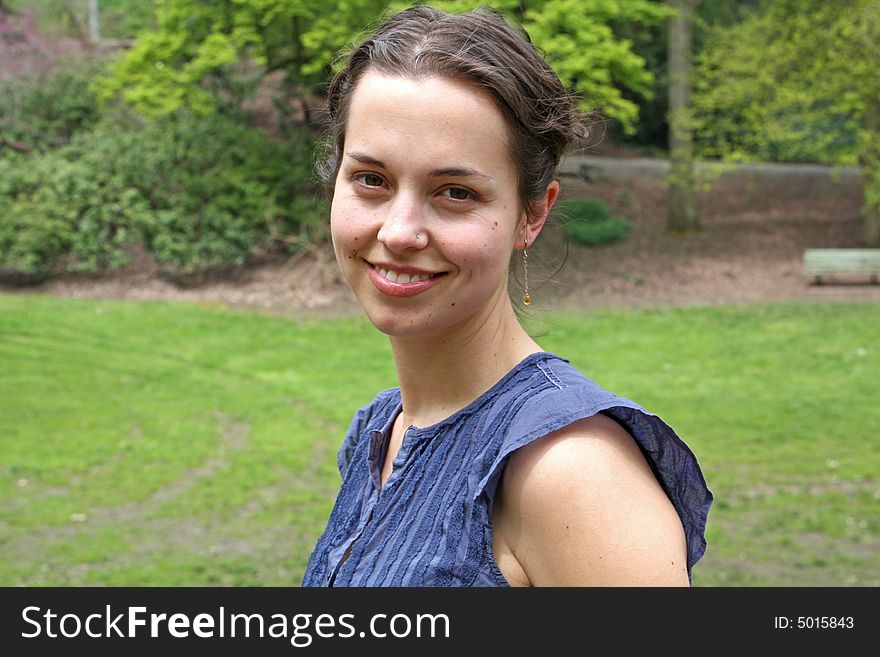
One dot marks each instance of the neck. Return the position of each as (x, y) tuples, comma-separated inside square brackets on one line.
[(441, 374)]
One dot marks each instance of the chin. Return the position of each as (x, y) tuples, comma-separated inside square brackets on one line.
[(397, 325)]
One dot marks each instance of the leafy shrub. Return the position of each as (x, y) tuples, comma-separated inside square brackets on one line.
[(196, 191), (53, 208), (589, 222), (45, 111), (81, 182), (213, 187), (32, 236)]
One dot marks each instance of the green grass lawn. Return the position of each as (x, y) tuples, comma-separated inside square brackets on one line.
[(177, 444)]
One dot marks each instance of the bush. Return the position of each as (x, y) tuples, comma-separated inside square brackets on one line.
[(196, 191), (214, 188), (589, 222), (53, 208), (80, 183), (45, 111)]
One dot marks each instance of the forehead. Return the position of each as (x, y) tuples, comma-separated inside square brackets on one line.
[(425, 119)]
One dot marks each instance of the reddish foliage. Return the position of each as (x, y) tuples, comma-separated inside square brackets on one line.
[(27, 51)]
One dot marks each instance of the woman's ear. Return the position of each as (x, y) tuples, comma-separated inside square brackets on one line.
[(540, 210)]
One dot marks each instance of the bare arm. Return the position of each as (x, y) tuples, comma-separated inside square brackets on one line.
[(581, 507)]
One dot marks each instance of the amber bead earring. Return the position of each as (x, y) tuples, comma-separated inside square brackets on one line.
[(527, 298)]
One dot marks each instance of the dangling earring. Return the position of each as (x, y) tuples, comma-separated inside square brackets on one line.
[(527, 298)]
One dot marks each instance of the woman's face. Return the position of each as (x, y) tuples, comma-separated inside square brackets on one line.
[(425, 209)]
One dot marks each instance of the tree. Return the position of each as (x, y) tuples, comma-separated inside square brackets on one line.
[(584, 42), (195, 43), (651, 43), (682, 213), (191, 57), (797, 81)]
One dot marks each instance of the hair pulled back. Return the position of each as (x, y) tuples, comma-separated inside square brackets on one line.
[(482, 48)]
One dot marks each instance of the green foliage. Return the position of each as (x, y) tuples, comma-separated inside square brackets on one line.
[(45, 111), (650, 42), (588, 210), (171, 66), (195, 44), (590, 45), (196, 191), (796, 81), (53, 207), (589, 222), (32, 236), (582, 41), (81, 182), (763, 92), (213, 187)]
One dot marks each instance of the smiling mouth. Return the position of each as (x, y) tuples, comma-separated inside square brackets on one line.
[(403, 277)]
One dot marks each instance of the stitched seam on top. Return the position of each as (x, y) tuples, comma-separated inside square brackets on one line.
[(551, 376)]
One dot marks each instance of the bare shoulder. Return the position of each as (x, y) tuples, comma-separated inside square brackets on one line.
[(595, 447), (581, 506)]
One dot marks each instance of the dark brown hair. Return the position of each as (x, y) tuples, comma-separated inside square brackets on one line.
[(482, 48)]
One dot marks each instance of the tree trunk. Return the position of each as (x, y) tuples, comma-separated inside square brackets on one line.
[(94, 23), (682, 214)]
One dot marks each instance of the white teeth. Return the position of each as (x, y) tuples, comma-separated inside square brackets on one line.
[(395, 277)]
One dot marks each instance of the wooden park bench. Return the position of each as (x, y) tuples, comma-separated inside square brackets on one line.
[(824, 262)]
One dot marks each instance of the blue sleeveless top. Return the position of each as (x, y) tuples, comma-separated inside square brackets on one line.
[(430, 525)]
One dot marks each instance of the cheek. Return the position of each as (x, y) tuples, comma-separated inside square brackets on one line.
[(345, 231), (486, 258)]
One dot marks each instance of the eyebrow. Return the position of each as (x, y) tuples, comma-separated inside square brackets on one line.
[(451, 172)]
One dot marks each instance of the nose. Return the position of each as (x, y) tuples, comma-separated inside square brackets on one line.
[(404, 226)]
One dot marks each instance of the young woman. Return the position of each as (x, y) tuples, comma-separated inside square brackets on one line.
[(494, 463)]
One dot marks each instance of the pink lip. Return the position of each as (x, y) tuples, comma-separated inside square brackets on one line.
[(401, 289)]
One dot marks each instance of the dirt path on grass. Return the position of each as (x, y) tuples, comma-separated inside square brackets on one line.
[(146, 528)]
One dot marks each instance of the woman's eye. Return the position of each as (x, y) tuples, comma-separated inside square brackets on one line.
[(369, 179), (459, 193)]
